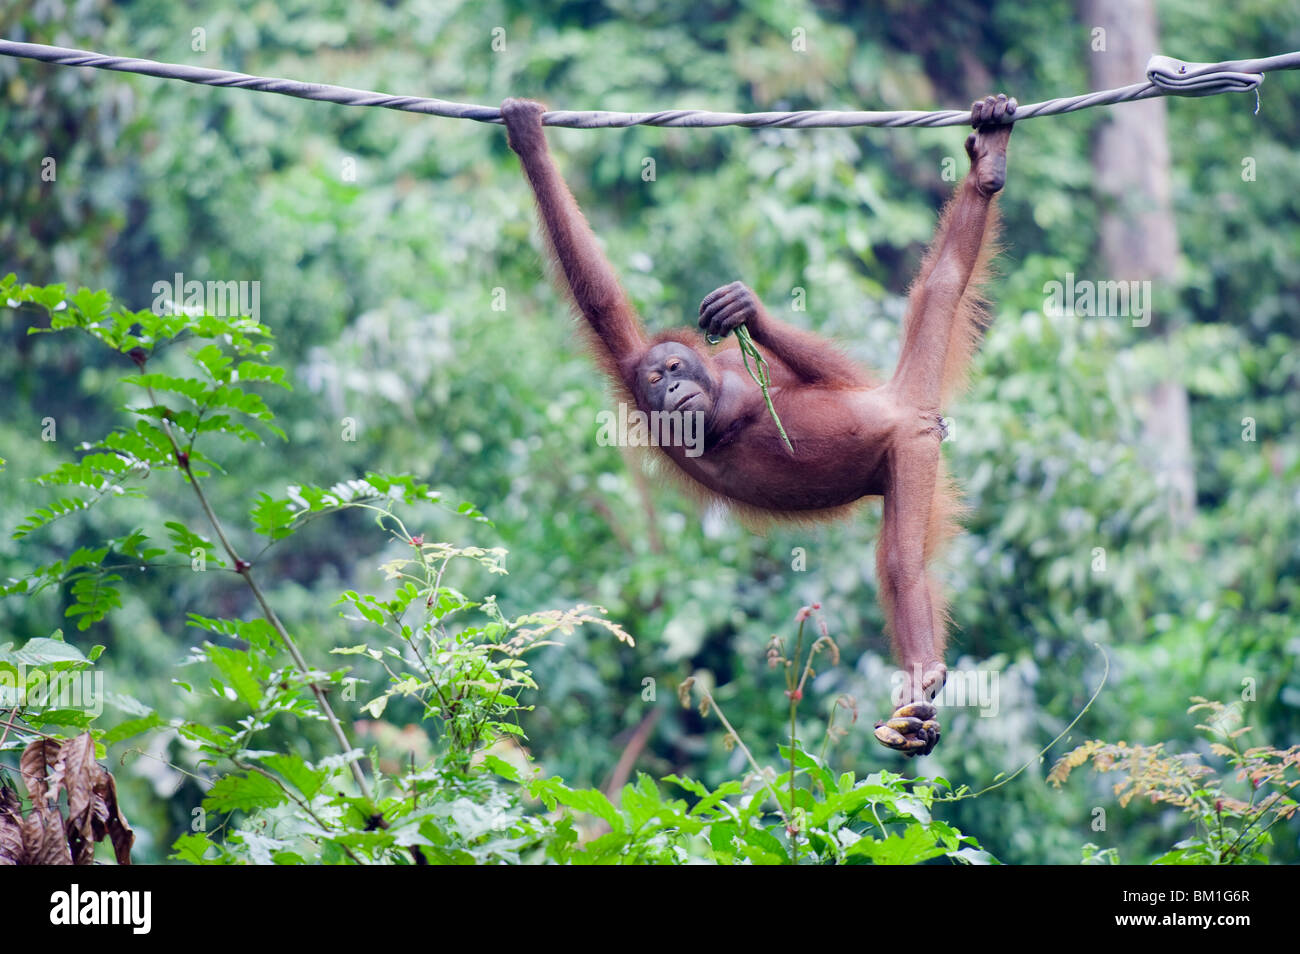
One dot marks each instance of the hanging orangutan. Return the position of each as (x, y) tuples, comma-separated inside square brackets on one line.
[(852, 436)]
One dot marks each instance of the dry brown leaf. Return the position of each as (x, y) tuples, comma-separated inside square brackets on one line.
[(77, 768), (34, 765), (11, 828), (109, 818), (44, 838)]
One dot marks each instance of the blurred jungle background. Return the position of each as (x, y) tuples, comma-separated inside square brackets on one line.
[(1133, 491)]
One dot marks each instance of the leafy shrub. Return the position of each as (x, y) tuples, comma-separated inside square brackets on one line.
[(458, 660), (1228, 829)]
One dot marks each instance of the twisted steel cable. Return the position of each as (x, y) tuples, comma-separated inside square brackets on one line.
[(1166, 76)]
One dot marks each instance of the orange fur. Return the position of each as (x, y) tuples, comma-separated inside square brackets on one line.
[(973, 315), (858, 439)]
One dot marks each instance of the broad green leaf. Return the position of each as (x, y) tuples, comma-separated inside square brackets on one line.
[(244, 793), (240, 671), (42, 651), (298, 773)]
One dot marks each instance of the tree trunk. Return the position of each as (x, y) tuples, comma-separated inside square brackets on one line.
[(1138, 239)]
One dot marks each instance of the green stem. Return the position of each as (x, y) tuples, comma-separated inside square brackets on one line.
[(826, 742), (1043, 751), (762, 376), (269, 614), (793, 690), (749, 756)]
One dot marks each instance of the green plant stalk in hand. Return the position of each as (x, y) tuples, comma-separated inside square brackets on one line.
[(762, 376)]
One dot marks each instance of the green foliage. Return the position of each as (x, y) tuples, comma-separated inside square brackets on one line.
[(882, 819), (49, 688), (458, 661), (116, 465), (380, 288), (1229, 830)]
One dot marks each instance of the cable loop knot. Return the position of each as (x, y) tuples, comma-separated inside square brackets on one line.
[(1181, 78)]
